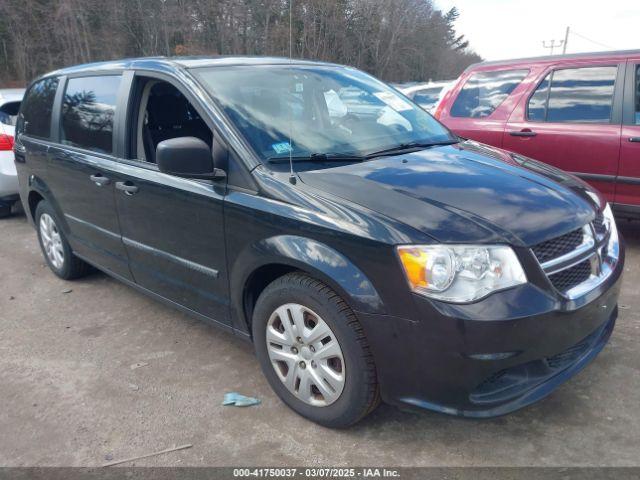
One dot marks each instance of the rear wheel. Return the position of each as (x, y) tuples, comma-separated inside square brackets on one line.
[(313, 351), (55, 247), (5, 209)]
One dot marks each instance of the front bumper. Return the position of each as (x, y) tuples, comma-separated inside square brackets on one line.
[(494, 356)]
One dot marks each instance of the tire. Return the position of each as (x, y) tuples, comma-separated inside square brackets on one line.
[(65, 265), (352, 390)]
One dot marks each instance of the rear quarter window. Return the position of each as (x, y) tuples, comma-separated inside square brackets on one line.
[(88, 111), (34, 118), (485, 91)]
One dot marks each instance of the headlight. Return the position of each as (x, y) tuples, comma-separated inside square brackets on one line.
[(460, 273)]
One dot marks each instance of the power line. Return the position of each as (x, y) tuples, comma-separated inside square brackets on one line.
[(573, 32)]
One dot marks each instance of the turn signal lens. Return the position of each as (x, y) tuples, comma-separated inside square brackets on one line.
[(414, 261)]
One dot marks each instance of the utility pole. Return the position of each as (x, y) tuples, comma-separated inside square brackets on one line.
[(566, 41), (552, 44)]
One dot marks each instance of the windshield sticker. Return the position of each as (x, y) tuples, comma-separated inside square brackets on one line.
[(395, 102), (282, 147)]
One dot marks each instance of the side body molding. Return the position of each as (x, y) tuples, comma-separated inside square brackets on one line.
[(318, 259)]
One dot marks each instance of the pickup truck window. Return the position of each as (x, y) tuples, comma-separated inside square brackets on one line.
[(325, 110), (88, 110)]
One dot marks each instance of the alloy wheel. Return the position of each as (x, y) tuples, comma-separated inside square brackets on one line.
[(51, 240)]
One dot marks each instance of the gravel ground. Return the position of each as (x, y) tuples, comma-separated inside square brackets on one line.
[(92, 370)]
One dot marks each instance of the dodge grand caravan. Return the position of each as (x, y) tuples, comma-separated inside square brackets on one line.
[(578, 112), (367, 252)]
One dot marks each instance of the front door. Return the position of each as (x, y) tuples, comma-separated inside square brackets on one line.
[(172, 227), (82, 171), (571, 122), (628, 189)]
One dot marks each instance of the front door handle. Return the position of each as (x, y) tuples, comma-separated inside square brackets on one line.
[(523, 133), (127, 187), (634, 139), (100, 179)]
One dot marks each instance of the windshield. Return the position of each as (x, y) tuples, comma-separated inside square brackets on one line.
[(327, 110)]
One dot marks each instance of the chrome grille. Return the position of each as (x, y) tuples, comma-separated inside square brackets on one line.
[(574, 262), (556, 247), (599, 225)]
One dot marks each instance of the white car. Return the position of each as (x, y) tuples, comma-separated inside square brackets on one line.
[(10, 100), (428, 95)]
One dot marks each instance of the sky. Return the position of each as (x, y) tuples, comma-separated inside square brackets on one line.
[(502, 29)]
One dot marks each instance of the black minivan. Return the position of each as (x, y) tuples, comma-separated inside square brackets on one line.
[(367, 252)]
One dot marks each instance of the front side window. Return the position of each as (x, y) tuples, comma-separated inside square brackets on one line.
[(88, 111), (574, 95), (34, 118), (485, 91), (164, 113), (324, 110)]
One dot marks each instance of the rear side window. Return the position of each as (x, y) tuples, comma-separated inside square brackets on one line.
[(574, 95), (485, 91), (35, 115), (88, 110)]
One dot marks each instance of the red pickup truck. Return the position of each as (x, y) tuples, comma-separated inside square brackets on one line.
[(579, 112)]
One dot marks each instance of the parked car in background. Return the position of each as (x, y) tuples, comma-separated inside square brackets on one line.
[(428, 95), (9, 105), (580, 113), (366, 251)]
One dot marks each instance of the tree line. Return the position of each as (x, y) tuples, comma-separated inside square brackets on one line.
[(396, 40)]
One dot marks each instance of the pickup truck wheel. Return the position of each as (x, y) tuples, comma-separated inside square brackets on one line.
[(55, 247), (313, 351)]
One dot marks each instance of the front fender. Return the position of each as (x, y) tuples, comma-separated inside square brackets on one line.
[(315, 258)]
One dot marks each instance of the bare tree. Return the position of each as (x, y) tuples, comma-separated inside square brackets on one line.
[(397, 40)]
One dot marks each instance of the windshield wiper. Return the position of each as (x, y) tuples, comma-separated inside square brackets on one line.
[(319, 157), (411, 146)]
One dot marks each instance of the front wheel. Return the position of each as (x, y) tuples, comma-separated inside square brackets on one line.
[(313, 351)]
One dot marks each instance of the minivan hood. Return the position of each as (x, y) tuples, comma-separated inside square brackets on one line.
[(467, 192)]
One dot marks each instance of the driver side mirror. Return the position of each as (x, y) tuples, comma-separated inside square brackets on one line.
[(187, 157)]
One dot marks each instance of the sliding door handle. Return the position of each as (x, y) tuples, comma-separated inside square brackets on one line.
[(100, 179), (127, 187), (634, 139)]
